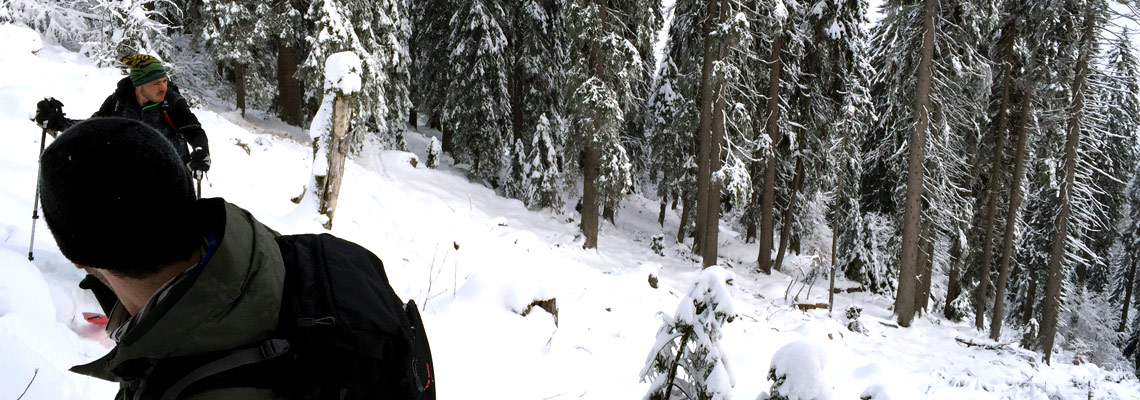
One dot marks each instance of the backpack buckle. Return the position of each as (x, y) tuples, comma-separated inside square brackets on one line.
[(274, 348)]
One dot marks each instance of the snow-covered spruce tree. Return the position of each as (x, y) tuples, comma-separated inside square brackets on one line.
[(599, 82), (670, 129), (545, 166), (1076, 214), (931, 113), (280, 24), (224, 28), (429, 56), (66, 22), (681, 67), (687, 358), (477, 108), (724, 125), (132, 27), (643, 20), (371, 29), (1119, 90), (538, 54), (1131, 239), (850, 71)]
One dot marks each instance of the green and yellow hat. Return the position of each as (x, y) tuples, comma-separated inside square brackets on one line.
[(144, 68)]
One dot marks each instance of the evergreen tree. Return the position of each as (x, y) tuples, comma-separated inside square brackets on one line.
[(225, 30), (681, 70), (133, 27), (545, 166), (539, 54), (372, 30), (599, 84), (687, 358), (429, 57), (477, 106)]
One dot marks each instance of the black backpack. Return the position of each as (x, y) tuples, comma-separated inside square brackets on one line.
[(344, 333)]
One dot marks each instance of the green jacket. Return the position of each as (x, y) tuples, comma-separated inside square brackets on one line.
[(231, 302)]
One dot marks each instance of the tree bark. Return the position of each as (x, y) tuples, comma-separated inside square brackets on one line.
[(1030, 296), (1129, 282), (1015, 198), (786, 227), (239, 86), (716, 142), (925, 268), (338, 148), (593, 153), (686, 205), (661, 215), (704, 129), (981, 291), (1072, 139), (768, 193), (904, 300), (954, 283), (288, 87)]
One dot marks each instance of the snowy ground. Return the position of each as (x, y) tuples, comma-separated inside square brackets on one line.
[(474, 260)]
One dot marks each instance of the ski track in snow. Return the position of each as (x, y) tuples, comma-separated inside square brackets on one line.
[(473, 261)]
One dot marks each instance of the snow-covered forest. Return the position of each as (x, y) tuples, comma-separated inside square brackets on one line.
[(955, 180)]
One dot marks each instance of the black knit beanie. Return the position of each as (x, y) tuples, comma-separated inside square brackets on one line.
[(117, 197)]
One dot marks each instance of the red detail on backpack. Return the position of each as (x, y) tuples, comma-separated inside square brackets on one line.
[(95, 318), (428, 368), (170, 121)]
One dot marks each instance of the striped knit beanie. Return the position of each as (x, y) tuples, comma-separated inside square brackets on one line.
[(144, 68)]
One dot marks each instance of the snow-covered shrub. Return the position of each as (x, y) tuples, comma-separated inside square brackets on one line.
[(1087, 327), (133, 27), (853, 312), (961, 309), (657, 244), (1029, 338), (797, 372), (688, 358), (875, 392), (64, 21), (433, 153)]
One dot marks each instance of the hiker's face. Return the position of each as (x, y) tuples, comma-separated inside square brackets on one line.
[(154, 91)]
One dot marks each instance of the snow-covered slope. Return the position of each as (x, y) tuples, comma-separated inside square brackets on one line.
[(474, 261)]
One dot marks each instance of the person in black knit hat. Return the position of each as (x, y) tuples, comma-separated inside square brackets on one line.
[(177, 277), (147, 95)]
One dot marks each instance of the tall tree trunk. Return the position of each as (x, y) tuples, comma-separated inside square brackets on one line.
[(288, 87), (1015, 198), (786, 227), (1030, 297), (904, 300), (686, 206), (608, 214), (1129, 282), (925, 267), (704, 129), (716, 142), (756, 171), (981, 291), (661, 215), (239, 86), (413, 117), (593, 154), (771, 127), (954, 282), (1072, 139)]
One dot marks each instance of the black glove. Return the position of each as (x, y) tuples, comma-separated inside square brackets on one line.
[(50, 110), (200, 160)]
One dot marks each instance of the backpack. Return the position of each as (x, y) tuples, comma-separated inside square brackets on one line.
[(343, 333)]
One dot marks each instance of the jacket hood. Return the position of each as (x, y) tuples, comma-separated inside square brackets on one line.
[(231, 302)]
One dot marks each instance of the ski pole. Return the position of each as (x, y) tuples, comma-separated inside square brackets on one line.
[(36, 202), (198, 175)]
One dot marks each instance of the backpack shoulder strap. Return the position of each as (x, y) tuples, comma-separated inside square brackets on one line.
[(267, 350)]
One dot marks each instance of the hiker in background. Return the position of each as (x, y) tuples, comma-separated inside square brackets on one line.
[(146, 95), (204, 301)]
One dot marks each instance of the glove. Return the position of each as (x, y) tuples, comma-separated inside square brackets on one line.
[(50, 110), (200, 160)]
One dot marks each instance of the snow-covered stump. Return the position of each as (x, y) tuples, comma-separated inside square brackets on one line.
[(687, 361), (329, 131), (797, 372)]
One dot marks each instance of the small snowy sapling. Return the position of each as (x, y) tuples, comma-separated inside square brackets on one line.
[(797, 372), (688, 361)]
